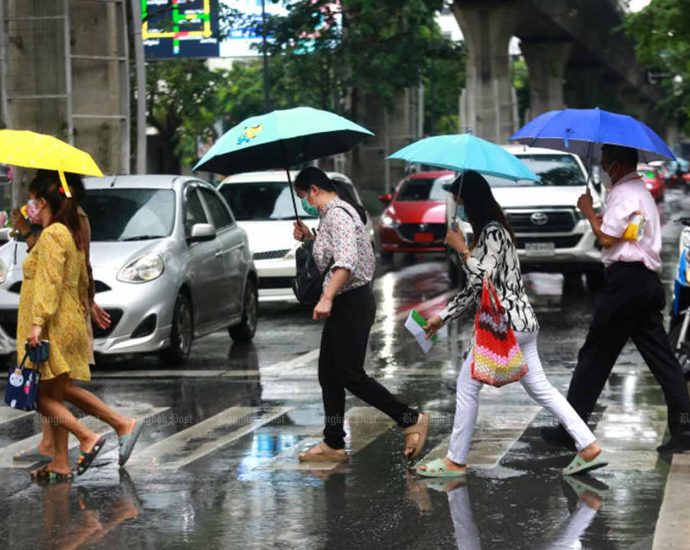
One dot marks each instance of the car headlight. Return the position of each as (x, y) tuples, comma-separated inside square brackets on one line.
[(142, 270), (684, 242), (388, 221), (3, 272)]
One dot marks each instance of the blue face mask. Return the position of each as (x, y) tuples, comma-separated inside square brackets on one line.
[(309, 209), (460, 212)]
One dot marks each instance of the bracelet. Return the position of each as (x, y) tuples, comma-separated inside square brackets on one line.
[(27, 234)]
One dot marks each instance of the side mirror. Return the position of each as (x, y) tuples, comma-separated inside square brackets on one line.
[(202, 232), (386, 199)]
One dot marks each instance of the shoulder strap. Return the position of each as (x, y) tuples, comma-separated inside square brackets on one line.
[(346, 211)]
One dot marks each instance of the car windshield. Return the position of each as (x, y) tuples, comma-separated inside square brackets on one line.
[(553, 171), (130, 214), (422, 189), (261, 201)]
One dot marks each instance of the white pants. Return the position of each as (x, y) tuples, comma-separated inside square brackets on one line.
[(535, 384)]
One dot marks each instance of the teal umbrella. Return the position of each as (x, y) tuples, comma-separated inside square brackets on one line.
[(465, 152), (280, 139)]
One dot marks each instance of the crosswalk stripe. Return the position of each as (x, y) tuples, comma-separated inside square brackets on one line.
[(28, 444), (10, 415), (364, 424), (157, 373), (498, 428), (629, 438), (203, 438)]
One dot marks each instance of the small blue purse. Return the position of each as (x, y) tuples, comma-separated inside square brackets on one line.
[(21, 391)]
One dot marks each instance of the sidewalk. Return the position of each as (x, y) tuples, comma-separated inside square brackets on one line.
[(673, 526)]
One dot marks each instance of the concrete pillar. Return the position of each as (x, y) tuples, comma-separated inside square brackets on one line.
[(487, 27), (394, 128), (546, 62)]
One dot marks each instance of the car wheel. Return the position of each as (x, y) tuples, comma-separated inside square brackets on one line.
[(595, 280), (250, 312), (181, 334), (682, 353)]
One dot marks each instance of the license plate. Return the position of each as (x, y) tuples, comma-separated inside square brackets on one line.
[(424, 237), (539, 249)]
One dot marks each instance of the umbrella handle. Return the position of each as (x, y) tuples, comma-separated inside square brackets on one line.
[(292, 193)]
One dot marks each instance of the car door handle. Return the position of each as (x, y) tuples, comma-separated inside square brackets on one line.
[(220, 253)]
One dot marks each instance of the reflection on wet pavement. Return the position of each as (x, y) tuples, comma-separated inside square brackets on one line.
[(216, 465)]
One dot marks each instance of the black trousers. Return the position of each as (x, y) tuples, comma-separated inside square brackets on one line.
[(630, 306), (341, 365)]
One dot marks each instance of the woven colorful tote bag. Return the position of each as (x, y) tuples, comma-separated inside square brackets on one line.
[(497, 359)]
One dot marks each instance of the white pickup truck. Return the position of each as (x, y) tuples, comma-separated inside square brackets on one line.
[(552, 234)]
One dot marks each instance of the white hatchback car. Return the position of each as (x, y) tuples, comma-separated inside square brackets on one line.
[(263, 207)]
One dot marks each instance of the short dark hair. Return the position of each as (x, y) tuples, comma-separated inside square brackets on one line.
[(625, 155)]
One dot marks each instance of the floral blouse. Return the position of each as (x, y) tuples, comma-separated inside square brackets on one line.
[(342, 237), (495, 256)]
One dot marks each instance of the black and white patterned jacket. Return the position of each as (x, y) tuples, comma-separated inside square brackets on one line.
[(495, 256)]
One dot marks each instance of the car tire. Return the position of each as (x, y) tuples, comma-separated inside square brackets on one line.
[(595, 280), (181, 334), (386, 256), (245, 331), (682, 354)]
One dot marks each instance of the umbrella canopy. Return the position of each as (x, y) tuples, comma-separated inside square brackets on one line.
[(579, 130), (465, 152), (280, 139), (40, 151)]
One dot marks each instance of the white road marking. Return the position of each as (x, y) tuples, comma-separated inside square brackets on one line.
[(10, 415), (203, 438), (498, 428), (363, 424)]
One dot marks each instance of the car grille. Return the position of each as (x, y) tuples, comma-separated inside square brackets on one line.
[(556, 221), (559, 242), (275, 282), (8, 322), (100, 287), (270, 255), (407, 230)]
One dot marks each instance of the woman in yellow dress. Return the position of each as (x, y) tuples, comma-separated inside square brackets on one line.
[(51, 308)]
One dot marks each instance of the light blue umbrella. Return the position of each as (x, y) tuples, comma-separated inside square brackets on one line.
[(280, 139), (465, 152)]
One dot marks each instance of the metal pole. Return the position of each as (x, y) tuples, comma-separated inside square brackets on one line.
[(68, 73), (140, 68), (267, 101)]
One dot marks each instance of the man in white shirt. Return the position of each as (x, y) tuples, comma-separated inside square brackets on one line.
[(632, 301)]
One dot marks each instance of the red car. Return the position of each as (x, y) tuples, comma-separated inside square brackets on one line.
[(415, 219), (653, 180)]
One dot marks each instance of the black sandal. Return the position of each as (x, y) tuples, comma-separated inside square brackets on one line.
[(86, 459)]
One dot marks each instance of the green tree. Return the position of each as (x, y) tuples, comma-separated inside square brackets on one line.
[(662, 34), (182, 105)]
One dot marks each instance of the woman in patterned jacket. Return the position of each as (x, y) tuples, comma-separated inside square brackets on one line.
[(495, 256), (343, 250)]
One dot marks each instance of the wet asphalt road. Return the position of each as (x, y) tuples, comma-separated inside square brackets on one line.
[(216, 465)]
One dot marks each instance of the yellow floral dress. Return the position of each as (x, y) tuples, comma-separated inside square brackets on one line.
[(52, 296)]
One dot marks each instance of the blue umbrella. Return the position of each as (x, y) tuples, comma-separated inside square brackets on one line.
[(579, 130), (280, 139), (465, 152)]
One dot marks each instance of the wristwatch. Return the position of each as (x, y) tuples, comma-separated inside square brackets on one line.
[(27, 235)]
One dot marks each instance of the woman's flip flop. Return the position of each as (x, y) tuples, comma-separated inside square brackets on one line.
[(128, 441), (86, 459), (580, 466), (33, 455), (437, 468)]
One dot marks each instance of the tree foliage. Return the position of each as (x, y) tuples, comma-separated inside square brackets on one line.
[(662, 34)]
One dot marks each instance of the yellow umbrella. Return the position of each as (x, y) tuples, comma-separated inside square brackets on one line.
[(40, 151)]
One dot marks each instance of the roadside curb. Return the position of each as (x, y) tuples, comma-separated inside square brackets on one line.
[(672, 527)]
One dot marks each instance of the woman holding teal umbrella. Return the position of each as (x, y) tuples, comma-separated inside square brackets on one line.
[(343, 251)]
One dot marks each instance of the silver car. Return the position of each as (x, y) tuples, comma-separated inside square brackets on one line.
[(169, 262)]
